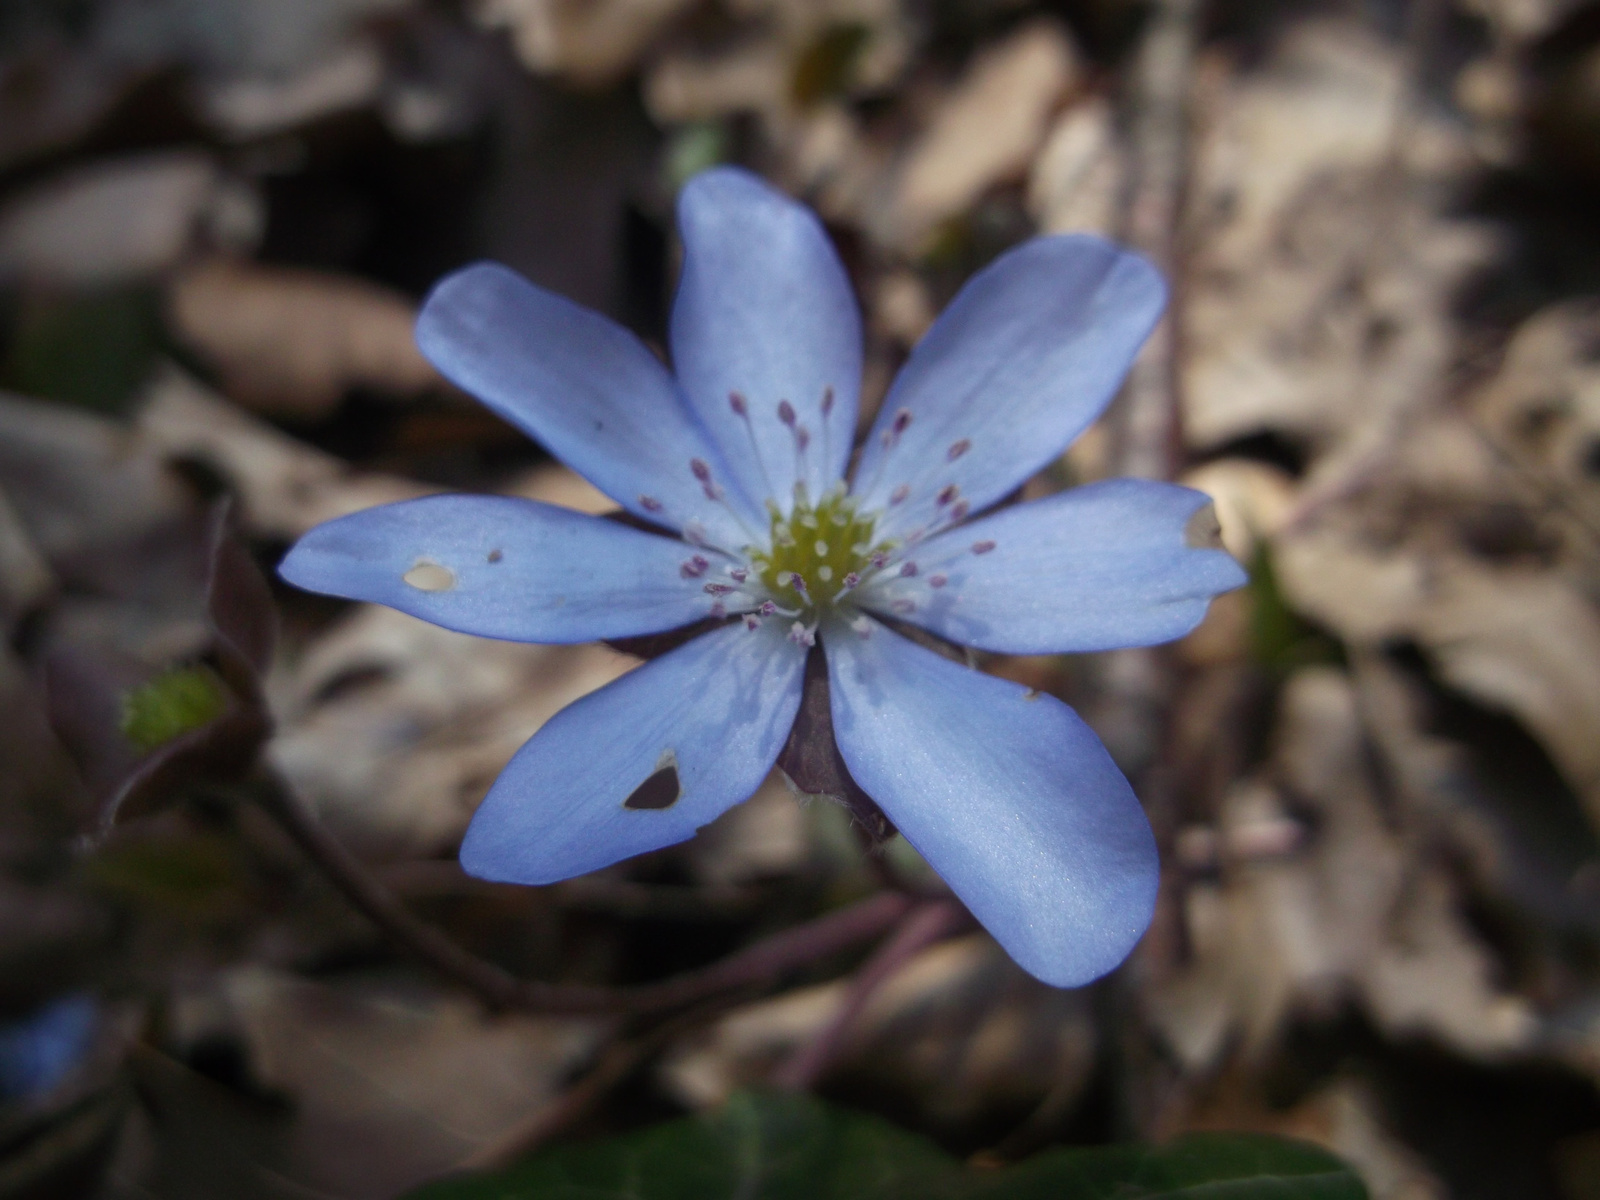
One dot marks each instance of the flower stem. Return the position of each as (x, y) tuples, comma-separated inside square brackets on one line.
[(759, 964)]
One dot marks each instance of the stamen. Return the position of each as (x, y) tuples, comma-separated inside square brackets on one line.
[(768, 608), (957, 449), (695, 567), (902, 422), (719, 610), (982, 547), (947, 494), (700, 469), (719, 589), (903, 606), (738, 404), (827, 401), (900, 493), (908, 570), (649, 503), (738, 574), (786, 413), (938, 581), (959, 512), (752, 622), (800, 635)]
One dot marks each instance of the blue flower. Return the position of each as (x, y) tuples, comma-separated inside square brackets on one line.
[(743, 454)]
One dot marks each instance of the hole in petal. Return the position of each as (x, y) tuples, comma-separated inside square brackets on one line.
[(661, 790), (1203, 531), (428, 576)]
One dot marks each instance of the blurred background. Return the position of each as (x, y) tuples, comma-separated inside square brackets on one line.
[(1374, 773)]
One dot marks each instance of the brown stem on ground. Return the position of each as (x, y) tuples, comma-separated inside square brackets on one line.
[(758, 965), (929, 922)]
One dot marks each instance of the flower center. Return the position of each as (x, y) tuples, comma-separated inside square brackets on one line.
[(820, 552)]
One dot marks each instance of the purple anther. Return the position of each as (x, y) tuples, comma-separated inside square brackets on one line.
[(752, 622), (719, 610), (738, 574), (982, 547), (768, 608), (947, 494), (960, 511), (827, 401), (900, 493), (957, 449), (701, 470), (802, 437), (938, 581), (719, 589), (695, 567), (650, 504), (786, 413), (908, 570), (902, 422), (851, 580), (880, 560), (737, 403)]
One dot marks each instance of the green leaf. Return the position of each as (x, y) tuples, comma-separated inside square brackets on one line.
[(783, 1147), (171, 704)]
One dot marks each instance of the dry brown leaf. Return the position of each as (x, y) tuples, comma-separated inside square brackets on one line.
[(395, 728), (123, 218), (391, 1086), (284, 486), (984, 132), (592, 42), (1318, 295), (1354, 914), (292, 342)]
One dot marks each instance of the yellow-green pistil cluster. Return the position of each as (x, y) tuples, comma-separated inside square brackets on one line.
[(818, 552)]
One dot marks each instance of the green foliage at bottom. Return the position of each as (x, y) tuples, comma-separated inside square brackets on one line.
[(762, 1146)]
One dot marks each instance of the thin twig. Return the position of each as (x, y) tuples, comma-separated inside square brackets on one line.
[(920, 928), (1146, 423), (757, 965)]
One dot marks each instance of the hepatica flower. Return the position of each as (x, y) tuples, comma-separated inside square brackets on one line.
[(740, 458)]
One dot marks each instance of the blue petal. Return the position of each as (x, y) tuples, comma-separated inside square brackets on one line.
[(39, 1052), (717, 710), (588, 390), (500, 567), (1094, 568), (1007, 794), (1024, 359), (765, 310)]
